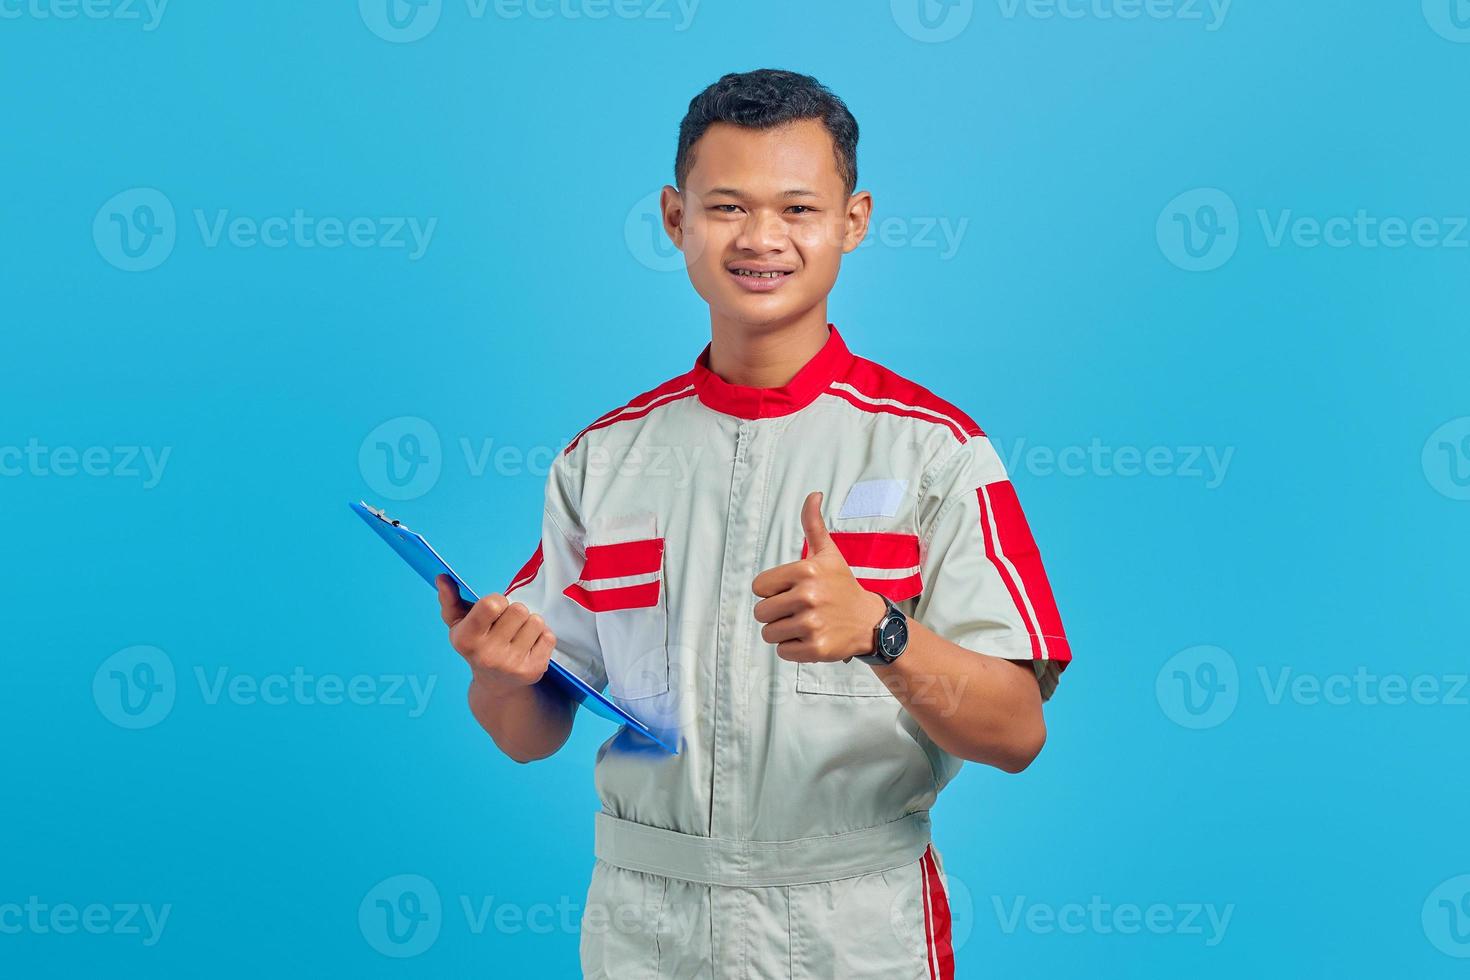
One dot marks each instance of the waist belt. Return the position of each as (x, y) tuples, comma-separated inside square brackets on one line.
[(757, 864)]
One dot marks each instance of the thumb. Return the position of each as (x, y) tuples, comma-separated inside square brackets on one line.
[(817, 538)]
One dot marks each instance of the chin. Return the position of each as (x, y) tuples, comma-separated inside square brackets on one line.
[(761, 310)]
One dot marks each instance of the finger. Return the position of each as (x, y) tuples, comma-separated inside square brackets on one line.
[(542, 650), (796, 651), (452, 607), (484, 614), (791, 628), (509, 623), (818, 540), (782, 577), (525, 638), (781, 605)]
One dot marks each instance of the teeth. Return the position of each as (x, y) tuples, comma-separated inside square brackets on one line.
[(758, 275)]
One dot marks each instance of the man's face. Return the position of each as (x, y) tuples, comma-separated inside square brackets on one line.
[(764, 220)]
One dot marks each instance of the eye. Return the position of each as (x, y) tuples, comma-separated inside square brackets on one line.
[(801, 209), (725, 208)]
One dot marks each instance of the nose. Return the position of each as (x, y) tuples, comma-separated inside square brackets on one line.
[(763, 231)]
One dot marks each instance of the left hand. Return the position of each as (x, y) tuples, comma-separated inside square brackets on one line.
[(814, 609)]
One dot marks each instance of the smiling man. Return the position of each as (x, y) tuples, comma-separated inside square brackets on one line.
[(840, 604)]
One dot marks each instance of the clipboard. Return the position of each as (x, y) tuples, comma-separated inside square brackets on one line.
[(413, 548)]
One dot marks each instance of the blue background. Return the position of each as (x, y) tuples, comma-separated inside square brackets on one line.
[(1332, 544)]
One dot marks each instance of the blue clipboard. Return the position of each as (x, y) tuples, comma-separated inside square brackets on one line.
[(422, 558)]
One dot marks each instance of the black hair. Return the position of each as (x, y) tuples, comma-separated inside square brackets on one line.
[(763, 99)]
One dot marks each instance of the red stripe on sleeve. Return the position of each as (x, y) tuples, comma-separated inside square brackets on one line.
[(992, 551), (1017, 544), (527, 573)]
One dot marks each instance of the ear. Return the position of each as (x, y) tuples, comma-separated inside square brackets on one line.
[(672, 205), (859, 211)]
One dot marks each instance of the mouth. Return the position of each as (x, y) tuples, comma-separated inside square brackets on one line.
[(756, 279)]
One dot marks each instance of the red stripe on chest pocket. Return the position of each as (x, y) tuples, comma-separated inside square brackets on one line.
[(625, 559), (889, 550)]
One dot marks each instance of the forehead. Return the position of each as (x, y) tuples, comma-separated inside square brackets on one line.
[(794, 154)]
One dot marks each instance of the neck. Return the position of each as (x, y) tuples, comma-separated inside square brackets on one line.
[(767, 355)]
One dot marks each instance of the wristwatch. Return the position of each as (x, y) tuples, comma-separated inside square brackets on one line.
[(890, 636)]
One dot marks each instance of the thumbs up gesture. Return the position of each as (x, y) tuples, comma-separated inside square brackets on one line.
[(814, 609)]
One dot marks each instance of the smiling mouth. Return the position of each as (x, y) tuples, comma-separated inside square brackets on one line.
[(749, 274), (760, 280)]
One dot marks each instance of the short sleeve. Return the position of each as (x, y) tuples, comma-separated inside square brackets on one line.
[(984, 584), (555, 564)]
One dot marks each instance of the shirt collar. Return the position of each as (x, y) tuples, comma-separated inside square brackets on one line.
[(748, 402)]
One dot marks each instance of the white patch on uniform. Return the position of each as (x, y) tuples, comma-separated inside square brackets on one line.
[(874, 498)]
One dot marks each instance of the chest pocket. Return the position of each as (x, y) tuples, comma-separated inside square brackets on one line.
[(622, 583), (886, 562)]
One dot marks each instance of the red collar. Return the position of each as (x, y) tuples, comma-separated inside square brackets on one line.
[(748, 402)]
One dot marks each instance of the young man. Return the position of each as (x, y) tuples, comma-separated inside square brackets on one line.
[(836, 605)]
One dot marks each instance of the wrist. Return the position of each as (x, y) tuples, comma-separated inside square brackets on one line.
[(492, 686), (874, 609)]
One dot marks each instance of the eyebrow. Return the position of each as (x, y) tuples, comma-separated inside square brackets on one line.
[(733, 192)]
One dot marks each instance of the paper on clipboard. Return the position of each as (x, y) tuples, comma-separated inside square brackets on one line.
[(413, 548)]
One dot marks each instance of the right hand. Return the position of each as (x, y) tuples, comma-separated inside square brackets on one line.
[(506, 645)]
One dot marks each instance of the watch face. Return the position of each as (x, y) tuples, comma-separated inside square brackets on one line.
[(891, 636)]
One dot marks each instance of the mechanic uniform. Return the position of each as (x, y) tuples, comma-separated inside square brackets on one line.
[(789, 838)]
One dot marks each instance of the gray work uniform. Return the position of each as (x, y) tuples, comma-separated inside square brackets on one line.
[(790, 836)]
